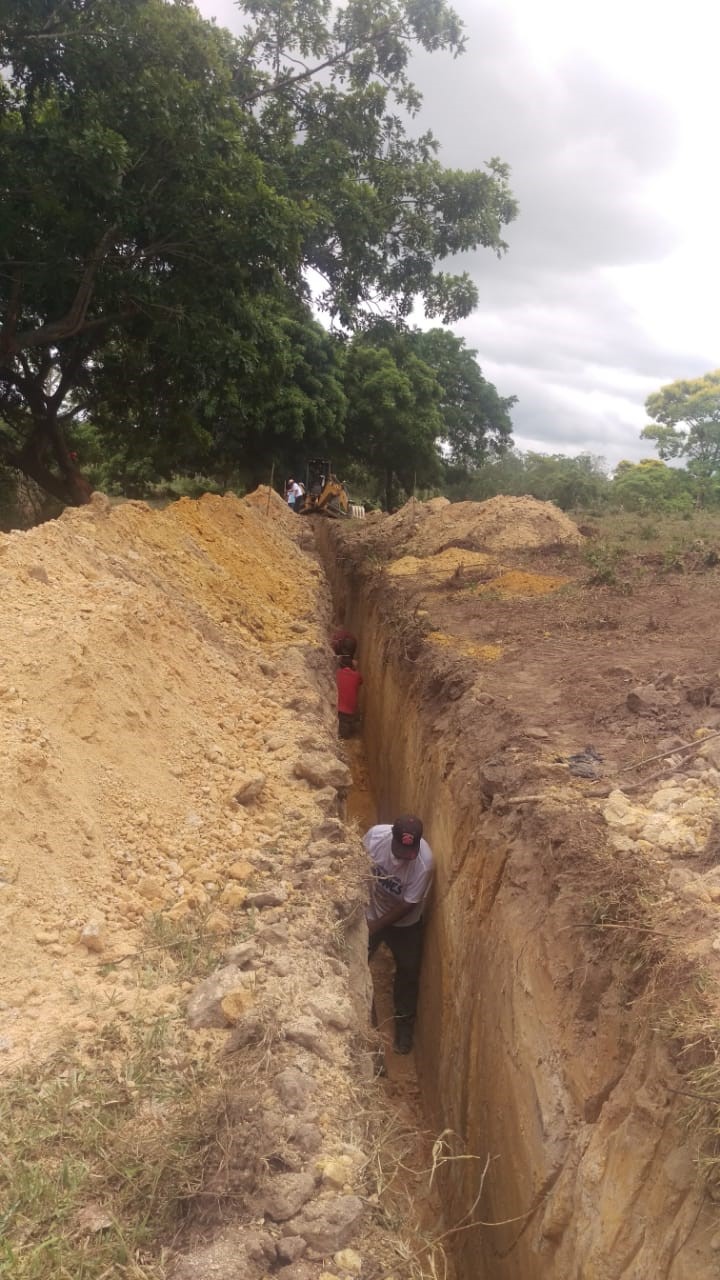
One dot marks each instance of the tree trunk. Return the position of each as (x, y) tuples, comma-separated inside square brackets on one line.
[(47, 441)]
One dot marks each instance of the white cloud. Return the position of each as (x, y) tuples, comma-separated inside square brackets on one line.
[(606, 112)]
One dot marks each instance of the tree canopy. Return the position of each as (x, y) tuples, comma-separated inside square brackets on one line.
[(165, 189), (686, 424)]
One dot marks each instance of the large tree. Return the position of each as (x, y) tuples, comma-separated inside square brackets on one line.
[(419, 409), (476, 418), (686, 424), (165, 189), (393, 419)]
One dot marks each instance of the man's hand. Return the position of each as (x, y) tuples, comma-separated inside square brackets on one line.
[(390, 917)]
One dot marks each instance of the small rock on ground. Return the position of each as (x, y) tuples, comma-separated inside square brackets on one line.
[(327, 1225)]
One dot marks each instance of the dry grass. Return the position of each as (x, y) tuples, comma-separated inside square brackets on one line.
[(646, 932), (110, 1148)]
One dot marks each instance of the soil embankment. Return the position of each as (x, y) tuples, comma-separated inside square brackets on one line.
[(572, 919), (183, 1017), (184, 1030)]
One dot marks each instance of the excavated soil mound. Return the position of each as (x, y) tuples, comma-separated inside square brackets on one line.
[(500, 524), (148, 658), (172, 793)]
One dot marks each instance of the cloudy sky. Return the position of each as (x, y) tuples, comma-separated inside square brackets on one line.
[(607, 112)]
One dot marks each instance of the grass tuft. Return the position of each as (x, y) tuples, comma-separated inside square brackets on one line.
[(111, 1149)]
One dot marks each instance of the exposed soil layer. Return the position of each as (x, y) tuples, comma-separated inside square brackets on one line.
[(510, 699)]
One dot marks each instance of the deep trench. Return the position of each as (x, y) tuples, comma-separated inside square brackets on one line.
[(522, 1049), (386, 782)]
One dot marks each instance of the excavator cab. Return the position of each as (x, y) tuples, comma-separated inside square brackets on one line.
[(324, 494)]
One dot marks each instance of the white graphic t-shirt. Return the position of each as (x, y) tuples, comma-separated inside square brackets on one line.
[(396, 880)]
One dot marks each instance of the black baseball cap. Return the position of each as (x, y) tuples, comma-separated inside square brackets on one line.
[(406, 834)]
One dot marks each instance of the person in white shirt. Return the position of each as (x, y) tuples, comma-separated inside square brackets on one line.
[(402, 865), (293, 493)]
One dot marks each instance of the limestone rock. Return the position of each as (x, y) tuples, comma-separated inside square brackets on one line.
[(91, 936), (329, 1010), (294, 1088), (286, 1195), (330, 829), (323, 771), (646, 700), (710, 751), (205, 1006), (328, 1225), (242, 955), (308, 1033), (273, 935), (711, 880), (348, 1260), (247, 787)]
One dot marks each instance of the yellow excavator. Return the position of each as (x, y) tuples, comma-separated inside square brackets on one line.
[(325, 495)]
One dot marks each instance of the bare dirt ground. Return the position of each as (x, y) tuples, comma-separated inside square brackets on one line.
[(552, 638)]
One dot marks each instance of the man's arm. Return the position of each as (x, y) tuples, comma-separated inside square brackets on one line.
[(390, 917)]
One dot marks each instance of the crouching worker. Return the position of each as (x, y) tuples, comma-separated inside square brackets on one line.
[(348, 687), (402, 866)]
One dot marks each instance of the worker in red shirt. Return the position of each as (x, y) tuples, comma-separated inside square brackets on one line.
[(348, 686)]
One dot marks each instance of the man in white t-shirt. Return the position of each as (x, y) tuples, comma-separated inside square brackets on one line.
[(293, 493), (402, 865)]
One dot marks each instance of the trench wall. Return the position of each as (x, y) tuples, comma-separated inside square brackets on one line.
[(527, 1049)]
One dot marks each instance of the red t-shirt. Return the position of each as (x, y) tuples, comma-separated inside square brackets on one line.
[(348, 683)]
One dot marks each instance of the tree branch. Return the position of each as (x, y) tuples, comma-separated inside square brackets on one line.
[(288, 82), (72, 323)]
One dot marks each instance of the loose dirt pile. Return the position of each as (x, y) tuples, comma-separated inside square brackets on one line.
[(134, 703), (439, 565), (515, 582), (169, 763), (500, 524)]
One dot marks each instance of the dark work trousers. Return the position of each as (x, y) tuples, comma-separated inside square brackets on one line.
[(406, 945), (346, 724)]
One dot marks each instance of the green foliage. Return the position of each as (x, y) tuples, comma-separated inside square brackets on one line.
[(604, 559), (569, 482), (418, 409), (393, 416), (651, 486), (686, 424), (476, 419), (165, 190)]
